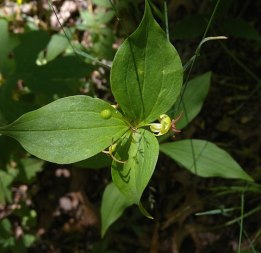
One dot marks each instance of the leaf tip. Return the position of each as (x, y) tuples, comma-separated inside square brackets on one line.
[(145, 212)]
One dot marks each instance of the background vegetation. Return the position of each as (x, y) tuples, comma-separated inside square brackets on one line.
[(51, 208)]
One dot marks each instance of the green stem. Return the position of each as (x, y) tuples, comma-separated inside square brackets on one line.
[(229, 223), (241, 222), (166, 19), (193, 59)]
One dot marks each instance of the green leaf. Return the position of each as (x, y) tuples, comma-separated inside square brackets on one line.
[(56, 46), (208, 160), (103, 40), (193, 99), (113, 205), (102, 3), (67, 130), (62, 76), (6, 178), (146, 74), (28, 240), (29, 168), (59, 77), (140, 150), (9, 243), (5, 229), (96, 20)]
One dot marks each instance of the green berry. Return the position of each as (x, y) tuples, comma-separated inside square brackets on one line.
[(106, 114)]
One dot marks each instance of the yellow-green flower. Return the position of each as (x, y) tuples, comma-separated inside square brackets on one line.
[(163, 127)]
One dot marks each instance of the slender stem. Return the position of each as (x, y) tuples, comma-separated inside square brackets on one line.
[(241, 222), (193, 59), (191, 141), (256, 237), (211, 19), (166, 19), (251, 245), (229, 223)]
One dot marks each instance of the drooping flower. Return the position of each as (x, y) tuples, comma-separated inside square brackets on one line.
[(162, 127)]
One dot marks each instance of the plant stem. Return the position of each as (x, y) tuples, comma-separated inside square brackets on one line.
[(166, 19), (241, 222)]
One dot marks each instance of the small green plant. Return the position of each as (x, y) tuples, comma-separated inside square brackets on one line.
[(146, 80), (23, 172)]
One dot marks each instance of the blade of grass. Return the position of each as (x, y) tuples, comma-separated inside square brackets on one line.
[(191, 141), (250, 187), (256, 237), (237, 219), (251, 245), (203, 40), (223, 211), (197, 53)]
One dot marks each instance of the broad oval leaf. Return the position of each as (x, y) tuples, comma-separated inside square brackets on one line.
[(146, 74), (204, 159), (140, 151), (113, 205), (67, 130), (193, 99)]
